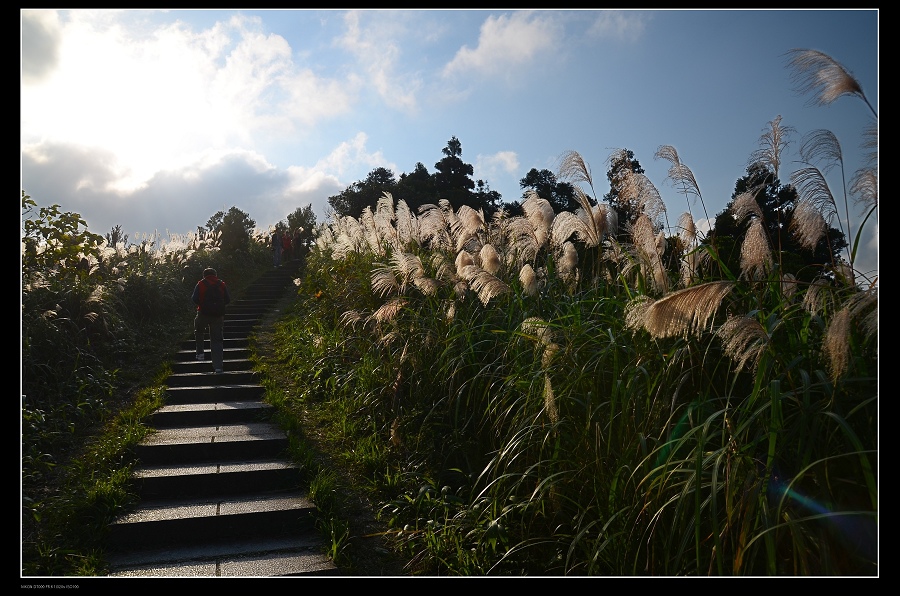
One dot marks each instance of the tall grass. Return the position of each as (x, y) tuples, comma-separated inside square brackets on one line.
[(559, 400)]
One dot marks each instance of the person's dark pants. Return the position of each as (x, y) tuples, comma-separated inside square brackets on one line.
[(216, 337)]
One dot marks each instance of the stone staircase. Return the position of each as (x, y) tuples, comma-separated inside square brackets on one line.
[(219, 496)]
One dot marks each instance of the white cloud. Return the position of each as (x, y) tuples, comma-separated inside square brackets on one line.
[(625, 25), (506, 162), (40, 44), (157, 97), (378, 56), (507, 43)]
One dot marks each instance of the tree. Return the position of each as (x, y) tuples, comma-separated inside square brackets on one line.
[(115, 236), (452, 180), (364, 193), (626, 207), (416, 188), (55, 240), (561, 195), (303, 219), (489, 200), (234, 229), (777, 204)]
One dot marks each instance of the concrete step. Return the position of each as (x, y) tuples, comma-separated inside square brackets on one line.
[(204, 378), (211, 414), (281, 556), (226, 442), (189, 354), (228, 343), (217, 390), (234, 361), (204, 479), (186, 522)]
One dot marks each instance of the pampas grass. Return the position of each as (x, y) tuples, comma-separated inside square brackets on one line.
[(823, 77), (683, 312)]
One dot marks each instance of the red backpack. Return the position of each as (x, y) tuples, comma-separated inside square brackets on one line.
[(212, 298)]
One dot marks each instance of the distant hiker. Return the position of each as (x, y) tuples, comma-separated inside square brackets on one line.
[(276, 247), (287, 250), (210, 295)]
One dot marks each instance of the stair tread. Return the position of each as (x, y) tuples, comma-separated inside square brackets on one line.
[(162, 470), (250, 431), (210, 507)]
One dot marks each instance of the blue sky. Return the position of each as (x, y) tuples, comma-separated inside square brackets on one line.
[(155, 120)]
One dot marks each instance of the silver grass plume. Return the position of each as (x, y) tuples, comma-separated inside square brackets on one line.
[(384, 281), (567, 266), (744, 340), (523, 242), (434, 228), (636, 311), (844, 273), (661, 243), (466, 225), (864, 188), (490, 260), (756, 255), (818, 297), (460, 289), (565, 225), (827, 79), (540, 213), (383, 219), (451, 311), (810, 180), (538, 330), (527, 277), (487, 286), (808, 225), (407, 224), (588, 223), (370, 232), (350, 318), (463, 260), (788, 286), (745, 205), (427, 285), (681, 176), (837, 343), (682, 312), (572, 167), (389, 310), (687, 230), (550, 400), (773, 142), (444, 269), (645, 240), (638, 189), (822, 146)]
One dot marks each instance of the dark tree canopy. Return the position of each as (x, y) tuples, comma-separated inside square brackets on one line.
[(416, 188), (626, 209), (303, 219), (364, 193), (451, 181), (777, 203), (235, 229), (561, 195)]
